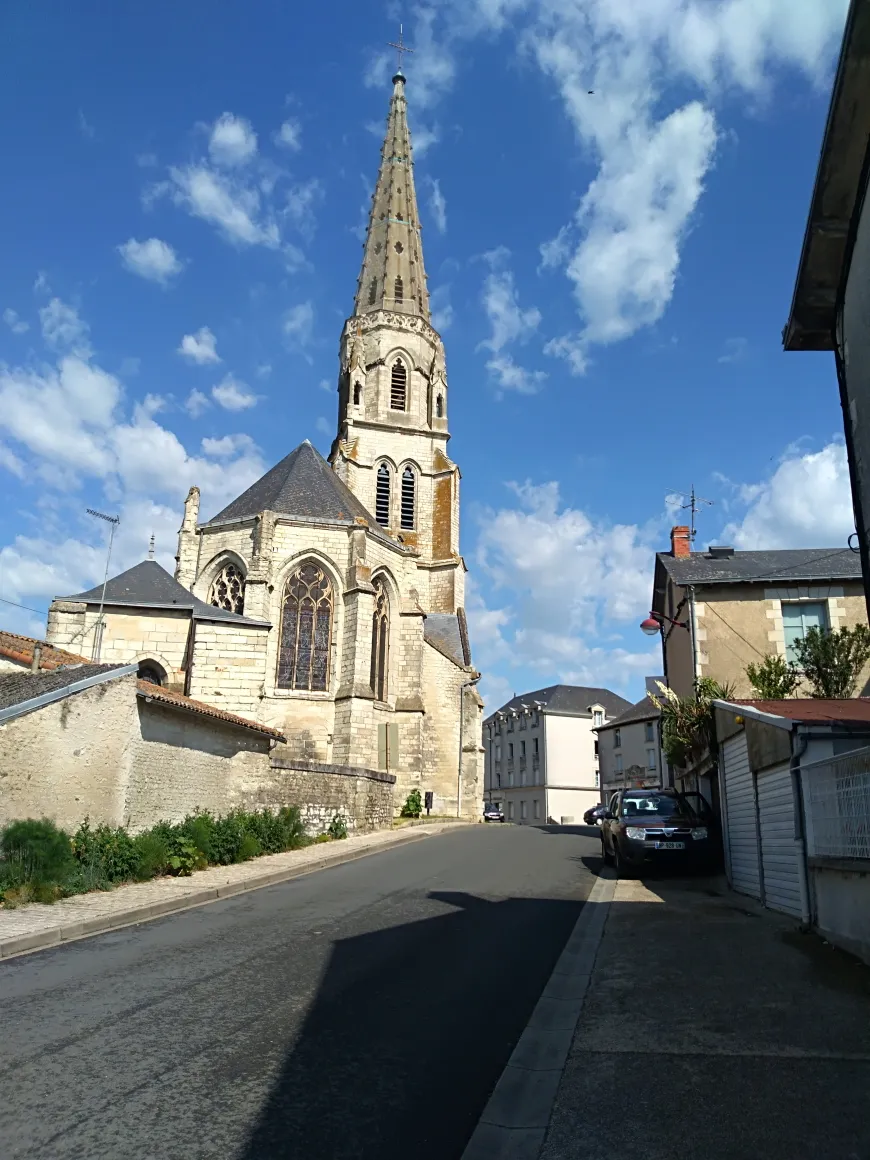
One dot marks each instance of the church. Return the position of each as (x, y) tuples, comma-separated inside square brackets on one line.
[(327, 601)]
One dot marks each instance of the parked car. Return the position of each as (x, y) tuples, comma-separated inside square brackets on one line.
[(594, 816), (661, 826), (492, 812)]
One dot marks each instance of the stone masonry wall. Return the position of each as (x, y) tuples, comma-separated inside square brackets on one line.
[(363, 797), (229, 666)]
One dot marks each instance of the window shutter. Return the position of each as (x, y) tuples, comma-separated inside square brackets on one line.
[(393, 746), (382, 747)]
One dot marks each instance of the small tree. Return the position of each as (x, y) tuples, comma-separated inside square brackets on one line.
[(687, 722), (413, 806), (774, 678), (832, 661)]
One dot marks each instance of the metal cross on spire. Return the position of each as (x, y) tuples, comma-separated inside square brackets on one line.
[(400, 47)]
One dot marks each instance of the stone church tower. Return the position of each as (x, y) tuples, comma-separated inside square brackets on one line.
[(327, 600), (391, 448)]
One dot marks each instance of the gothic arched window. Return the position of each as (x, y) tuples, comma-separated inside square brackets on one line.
[(228, 589), (357, 394), (382, 496), (399, 294), (409, 489), (398, 386), (306, 629), (439, 406), (380, 641)]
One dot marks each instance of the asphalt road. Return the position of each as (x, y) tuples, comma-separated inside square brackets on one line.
[(365, 1011)]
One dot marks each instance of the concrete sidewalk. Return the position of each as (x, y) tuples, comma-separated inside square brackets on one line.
[(715, 1029), (34, 926)]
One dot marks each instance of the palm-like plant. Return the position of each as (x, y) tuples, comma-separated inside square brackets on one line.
[(687, 722)]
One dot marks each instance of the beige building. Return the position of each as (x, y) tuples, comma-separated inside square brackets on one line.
[(721, 610), (327, 601), (541, 753), (629, 748)]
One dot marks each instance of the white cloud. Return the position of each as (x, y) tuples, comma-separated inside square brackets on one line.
[(509, 324), (422, 138), (433, 68), (233, 395), (62, 329), (153, 259), (196, 403), (14, 321), (806, 503), (199, 347), (298, 323), (289, 135), (442, 310), (10, 462), (232, 141), (735, 350), (323, 426), (301, 202), (228, 445), (326, 385), (437, 204), (85, 127), (233, 206), (41, 286)]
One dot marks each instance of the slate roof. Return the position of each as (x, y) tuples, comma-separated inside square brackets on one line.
[(644, 710), (569, 699), (18, 688), (20, 649), (179, 701), (442, 630), (783, 566), (147, 585), (817, 710), (303, 486)]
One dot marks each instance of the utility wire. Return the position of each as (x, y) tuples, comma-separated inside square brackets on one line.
[(26, 607)]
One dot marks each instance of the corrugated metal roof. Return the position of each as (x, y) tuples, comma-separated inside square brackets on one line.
[(147, 585), (569, 699), (785, 566)]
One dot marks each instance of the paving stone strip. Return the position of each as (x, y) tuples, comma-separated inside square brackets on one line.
[(36, 926), (514, 1121)]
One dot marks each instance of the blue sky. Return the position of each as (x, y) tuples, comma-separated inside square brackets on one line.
[(180, 224)]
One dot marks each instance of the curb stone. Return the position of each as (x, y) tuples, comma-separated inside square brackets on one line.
[(514, 1122), (86, 928)]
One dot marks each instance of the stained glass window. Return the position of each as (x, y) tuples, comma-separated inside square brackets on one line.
[(380, 641), (228, 590), (306, 630)]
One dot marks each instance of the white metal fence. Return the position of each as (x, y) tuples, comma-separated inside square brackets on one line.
[(836, 796)]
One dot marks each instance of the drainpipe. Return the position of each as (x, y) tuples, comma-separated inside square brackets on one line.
[(693, 628), (800, 824), (462, 688)]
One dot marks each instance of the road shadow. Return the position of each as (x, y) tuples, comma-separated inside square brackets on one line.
[(410, 1031), (561, 831)]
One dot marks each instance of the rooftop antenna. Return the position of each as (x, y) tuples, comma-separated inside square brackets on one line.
[(400, 48), (692, 507), (113, 522), (151, 547)]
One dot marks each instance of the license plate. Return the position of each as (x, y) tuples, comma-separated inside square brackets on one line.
[(669, 845)]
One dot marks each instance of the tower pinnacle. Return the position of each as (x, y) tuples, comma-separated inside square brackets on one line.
[(392, 275)]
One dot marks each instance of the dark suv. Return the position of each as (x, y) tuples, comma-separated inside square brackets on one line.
[(662, 826)]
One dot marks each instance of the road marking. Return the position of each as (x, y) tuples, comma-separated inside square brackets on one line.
[(514, 1122)]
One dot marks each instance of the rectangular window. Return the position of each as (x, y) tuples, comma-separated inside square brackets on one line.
[(522, 749), (498, 752), (595, 746), (651, 759), (523, 810), (537, 808), (498, 780), (523, 722), (510, 751), (597, 717), (617, 763), (797, 618), (597, 776), (535, 743), (535, 717), (617, 738), (650, 731), (511, 810)]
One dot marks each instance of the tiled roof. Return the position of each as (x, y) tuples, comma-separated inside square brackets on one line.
[(811, 709), (304, 486), (644, 710), (179, 701), (16, 688), (20, 649), (147, 585), (569, 699), (786, 566)]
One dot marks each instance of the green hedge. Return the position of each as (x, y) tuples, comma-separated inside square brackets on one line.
[(40, 862)]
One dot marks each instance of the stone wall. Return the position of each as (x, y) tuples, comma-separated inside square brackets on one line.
[(363, 797), (229, 666)]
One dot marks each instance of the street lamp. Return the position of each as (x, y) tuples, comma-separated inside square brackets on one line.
[(652, 626)]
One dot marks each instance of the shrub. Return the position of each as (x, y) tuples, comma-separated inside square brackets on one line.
[(249, 848), (337, 827), (184, 856), (35, 852), (106, 851), (832, 661), (773, 679), (687, 722), (413, 806), (152, 855)]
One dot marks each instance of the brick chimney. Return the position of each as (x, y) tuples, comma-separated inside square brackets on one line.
[(681, 545)]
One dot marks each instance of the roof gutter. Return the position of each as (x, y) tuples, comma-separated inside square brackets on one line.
[(19, 710)]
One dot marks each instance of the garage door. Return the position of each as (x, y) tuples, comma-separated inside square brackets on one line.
[(779, 853), (741, 816)]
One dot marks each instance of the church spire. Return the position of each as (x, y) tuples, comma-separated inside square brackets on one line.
[(392, 275)]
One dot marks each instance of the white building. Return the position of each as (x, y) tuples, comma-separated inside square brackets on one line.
[(541, 753), (630, 748)]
